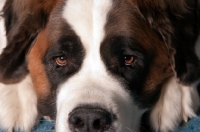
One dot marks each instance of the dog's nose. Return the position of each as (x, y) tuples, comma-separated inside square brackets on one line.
[(90, 119)]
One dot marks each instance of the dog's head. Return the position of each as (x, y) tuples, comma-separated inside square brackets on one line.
[(94, 64)]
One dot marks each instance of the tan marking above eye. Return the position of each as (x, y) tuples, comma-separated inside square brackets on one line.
[(129, 59), (61, 60)]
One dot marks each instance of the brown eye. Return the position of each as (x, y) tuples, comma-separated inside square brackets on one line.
[(61, 60), (129, 59)]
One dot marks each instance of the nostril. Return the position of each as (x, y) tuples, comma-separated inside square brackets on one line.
[(102, 124), (76, 122), (97, 124)]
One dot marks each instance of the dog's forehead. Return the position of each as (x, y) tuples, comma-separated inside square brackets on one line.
[(87, 18), (93, 21)]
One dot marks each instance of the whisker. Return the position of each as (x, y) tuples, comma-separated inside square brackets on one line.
[(129, 129)]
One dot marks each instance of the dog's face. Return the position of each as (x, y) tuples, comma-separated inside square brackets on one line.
[(96, 64)]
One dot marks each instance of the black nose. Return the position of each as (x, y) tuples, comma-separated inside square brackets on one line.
[(87, 119)]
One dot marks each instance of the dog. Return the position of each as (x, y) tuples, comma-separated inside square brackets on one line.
[(99, 65)]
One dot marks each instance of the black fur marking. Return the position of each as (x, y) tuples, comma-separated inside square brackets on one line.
[(71, 48), (145, 125), (133, 76)]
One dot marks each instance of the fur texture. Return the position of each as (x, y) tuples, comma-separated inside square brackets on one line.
[(125, 57), (18, 106)]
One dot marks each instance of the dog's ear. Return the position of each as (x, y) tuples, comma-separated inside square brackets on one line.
[(177, 23), (24, 19), (157, 15)]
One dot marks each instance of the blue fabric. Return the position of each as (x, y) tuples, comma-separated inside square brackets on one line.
[(43, 126), (192, 126), (47, 126)]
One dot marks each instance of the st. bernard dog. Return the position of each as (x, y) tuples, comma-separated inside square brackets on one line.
[(99, 65)]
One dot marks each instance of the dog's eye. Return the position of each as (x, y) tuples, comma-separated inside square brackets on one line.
[(128, 60), (61, 60)]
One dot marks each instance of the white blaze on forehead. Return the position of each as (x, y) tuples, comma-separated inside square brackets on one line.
[(87, 18)]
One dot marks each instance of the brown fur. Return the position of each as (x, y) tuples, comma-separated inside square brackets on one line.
[(18, 18), (178, 24), (39, 78)]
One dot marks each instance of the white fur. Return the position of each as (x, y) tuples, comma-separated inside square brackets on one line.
[(190, 101), (18, 105), (177, 102), (105, 91), (92, 84)]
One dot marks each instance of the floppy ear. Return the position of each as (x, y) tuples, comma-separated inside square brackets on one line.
[(177, 23), (23, 20)]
